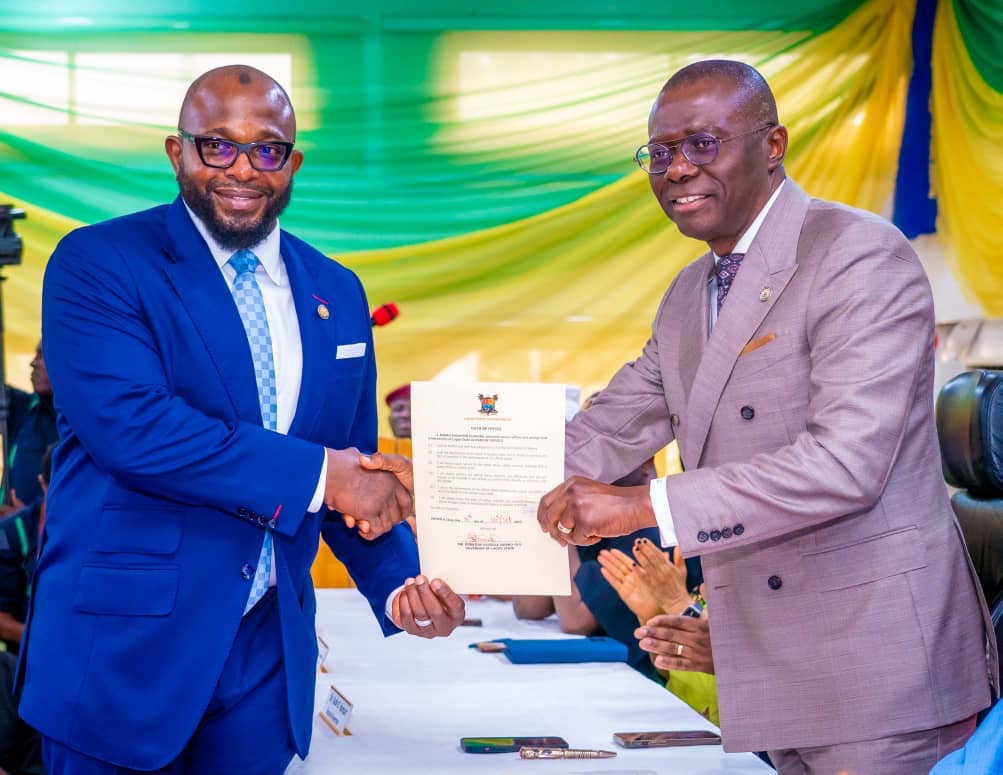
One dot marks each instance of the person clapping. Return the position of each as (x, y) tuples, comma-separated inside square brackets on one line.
[(654, 588)]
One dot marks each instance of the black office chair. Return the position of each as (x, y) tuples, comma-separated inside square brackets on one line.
[(970, 429)]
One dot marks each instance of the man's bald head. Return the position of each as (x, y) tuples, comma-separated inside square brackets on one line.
[(236, 81), (246, 121), (754, 95), (729, 108)]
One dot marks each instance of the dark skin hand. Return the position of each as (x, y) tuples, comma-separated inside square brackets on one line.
[(428, 609), (663, 635), (400, 467), (590, 510), (10, 628), (374, 500)]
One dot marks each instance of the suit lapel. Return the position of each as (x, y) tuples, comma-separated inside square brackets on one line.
[(204, 293), (691, 347), (318, 335), (766, 270)]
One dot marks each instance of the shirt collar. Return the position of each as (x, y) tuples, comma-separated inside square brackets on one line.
[(267, 250), (745, 241)]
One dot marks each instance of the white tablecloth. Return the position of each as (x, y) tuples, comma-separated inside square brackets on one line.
[(414, 699)]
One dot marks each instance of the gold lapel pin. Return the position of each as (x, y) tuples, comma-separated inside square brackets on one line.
[(764, 295), (323, 312)]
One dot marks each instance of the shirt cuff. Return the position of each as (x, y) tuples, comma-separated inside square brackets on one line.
[(663, 514), (390, 604), (318, 494)]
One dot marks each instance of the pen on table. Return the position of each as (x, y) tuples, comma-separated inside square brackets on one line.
[(564, 753)]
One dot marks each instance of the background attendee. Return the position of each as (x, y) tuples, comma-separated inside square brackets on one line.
[(209, 411), (679, 645), (594, 607), (31, 427), (794, 364), (399, 401), (20, 533), (20, 745)]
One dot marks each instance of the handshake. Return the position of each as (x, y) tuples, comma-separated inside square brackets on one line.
[(372, 492)]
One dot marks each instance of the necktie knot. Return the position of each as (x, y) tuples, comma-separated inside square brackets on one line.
[(728, 264), (243, 262), (727, 269)]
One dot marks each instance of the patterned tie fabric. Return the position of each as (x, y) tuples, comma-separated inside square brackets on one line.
[(727, 269), (251, 307)]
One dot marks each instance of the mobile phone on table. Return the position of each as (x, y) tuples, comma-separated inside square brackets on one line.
[(509, 744), (665, 739)]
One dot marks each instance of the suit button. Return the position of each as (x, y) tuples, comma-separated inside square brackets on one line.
[(247, 571), (715, 535), (748, 412), (738, 529), (702, 536), (674, 419), (775, 582), (726, 533)]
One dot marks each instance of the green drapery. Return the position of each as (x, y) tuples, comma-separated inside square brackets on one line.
[(474, 167)]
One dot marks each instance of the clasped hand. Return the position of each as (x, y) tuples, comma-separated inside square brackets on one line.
[(581, 511), (373, 493), (428, 608)]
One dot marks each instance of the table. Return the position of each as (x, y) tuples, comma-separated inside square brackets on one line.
[(414, 699)]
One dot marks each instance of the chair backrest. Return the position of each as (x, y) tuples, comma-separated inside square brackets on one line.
[(970, 429)]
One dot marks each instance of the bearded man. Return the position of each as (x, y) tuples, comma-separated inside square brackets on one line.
[(217, 384)]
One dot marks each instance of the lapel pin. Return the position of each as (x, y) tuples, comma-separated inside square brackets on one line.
[(323, 312), (764, 295)]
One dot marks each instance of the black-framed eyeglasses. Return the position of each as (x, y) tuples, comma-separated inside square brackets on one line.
[(699, 150), (265, 156)]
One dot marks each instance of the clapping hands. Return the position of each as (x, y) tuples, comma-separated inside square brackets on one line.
[(664, 577), (622, 574)]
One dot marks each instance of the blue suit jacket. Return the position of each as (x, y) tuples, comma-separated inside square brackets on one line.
[(164, 481)]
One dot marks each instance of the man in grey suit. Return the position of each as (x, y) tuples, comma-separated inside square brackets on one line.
[(793, 363)]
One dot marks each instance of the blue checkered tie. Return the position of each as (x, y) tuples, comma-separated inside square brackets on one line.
[(251, 307)]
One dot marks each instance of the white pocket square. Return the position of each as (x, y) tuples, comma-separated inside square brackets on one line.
[(356, 350)]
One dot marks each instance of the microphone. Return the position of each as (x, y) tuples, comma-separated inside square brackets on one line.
[(384, 314)]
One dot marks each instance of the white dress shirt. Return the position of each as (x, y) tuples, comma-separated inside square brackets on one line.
[(659, 495), (283, 327)]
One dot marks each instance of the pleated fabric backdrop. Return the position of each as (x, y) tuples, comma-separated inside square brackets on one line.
[(474, 162)]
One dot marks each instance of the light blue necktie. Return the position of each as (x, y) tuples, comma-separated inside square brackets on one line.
[(251, 307)]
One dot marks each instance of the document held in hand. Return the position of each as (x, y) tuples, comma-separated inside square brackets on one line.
[(484, 455)]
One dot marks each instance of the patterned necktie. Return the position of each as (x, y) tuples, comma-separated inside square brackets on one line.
[(727, 269), (251, 306)]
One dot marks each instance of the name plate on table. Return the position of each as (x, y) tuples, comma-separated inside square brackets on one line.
[(336, 712), (484, 454), (322, 651)]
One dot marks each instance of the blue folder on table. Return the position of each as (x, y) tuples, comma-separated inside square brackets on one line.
[(528, 651)]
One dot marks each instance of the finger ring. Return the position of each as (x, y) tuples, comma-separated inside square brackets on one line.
[(563, 529), (679, 649), (423, 622)]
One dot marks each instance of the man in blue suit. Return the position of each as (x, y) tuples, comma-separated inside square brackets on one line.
[(216, 381)]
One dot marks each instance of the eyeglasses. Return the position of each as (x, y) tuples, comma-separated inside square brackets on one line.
[(266, 156), (699, 150)]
